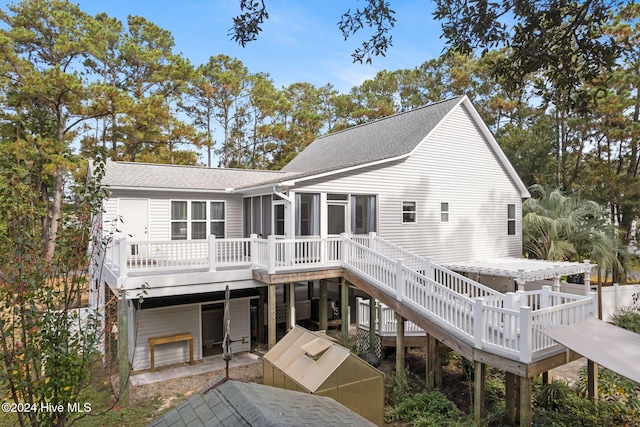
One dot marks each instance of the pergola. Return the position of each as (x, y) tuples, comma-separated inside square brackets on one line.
[(524, 270)]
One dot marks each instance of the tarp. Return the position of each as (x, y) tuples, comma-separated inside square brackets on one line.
[(610, 346)]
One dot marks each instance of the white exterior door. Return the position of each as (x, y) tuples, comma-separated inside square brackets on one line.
[(135, 223)]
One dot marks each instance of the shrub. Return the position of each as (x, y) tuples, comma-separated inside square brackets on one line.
[(427, 409)]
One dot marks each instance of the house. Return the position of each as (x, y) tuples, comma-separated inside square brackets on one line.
[(378, 207), (432, 180)]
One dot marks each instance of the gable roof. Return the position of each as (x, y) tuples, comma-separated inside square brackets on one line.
[(234, 403), (387, 139), (199, 178)]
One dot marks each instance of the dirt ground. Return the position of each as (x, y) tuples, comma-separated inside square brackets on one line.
[(172, 392)]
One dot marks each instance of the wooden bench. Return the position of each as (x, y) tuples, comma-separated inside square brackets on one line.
[(154, 341)]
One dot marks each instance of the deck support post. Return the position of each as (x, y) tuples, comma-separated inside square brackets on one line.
[(478, 391), (291, 305), (399, 345), (372, 325), (123, 346), (511, 402), (344, 311), (526, 412), (434, 375), (592, 380), (260, 332), (271, 308), (547, 378), (323, 308)]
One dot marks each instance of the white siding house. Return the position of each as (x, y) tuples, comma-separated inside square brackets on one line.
[(433, 181)]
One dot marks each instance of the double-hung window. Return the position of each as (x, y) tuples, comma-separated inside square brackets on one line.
[(192, 220), (511, 220), (444, 212), (409, 210)]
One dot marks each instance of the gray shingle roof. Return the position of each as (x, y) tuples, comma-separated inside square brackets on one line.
[(145, 175), (234, 403), (382, 139)]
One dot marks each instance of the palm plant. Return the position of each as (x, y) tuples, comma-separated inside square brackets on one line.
[(558, 227)]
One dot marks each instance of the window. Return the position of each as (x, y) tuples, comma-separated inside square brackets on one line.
[(178, 220), (444, 212), (198, 220), (307, 214), (189, 220), (217, 219), (363, 214), (409, 210), (511, 219)]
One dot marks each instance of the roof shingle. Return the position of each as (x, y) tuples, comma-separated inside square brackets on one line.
[(382, 139)]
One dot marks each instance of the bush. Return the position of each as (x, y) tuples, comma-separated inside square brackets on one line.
[(427, 409)]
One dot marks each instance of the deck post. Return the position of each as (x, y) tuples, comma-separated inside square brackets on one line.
[(526, 416), (271, 308), (587, 279), (323, 308), (399, 345), (344, 311), (291, 305), (123, 345), (510, 385), (526, 334), (592, 380), (556, 284), (372, 241), (211, 241), (253, 250), (432, 362), (428, 268), (373, 309), (478, 322), (271, 254), (399, 280), (478, 391), (260, 332), (122, 252), (545, 297)]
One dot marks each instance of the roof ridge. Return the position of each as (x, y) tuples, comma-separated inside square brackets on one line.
[(201, 167), (433, 104)]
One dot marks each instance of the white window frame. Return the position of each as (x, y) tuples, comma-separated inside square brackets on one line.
[(189, 221), (445, 211), (512, 220), (414, 212)]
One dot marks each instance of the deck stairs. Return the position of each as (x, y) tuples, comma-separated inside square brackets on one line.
[(505, 324)]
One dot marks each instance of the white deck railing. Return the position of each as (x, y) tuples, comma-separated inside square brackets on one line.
[(507, 324)]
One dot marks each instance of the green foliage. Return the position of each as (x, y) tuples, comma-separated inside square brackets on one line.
[(620, 395), (567, 228), (627, 318), (49, 344), (427, 409)]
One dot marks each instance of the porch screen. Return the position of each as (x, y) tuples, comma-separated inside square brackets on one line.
[(307, 214), (363, 214)]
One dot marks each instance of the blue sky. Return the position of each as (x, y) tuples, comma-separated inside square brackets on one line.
[(300, 42)]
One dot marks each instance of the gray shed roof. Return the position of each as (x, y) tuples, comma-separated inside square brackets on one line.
[(234, 403), (383, 139), (161, 176)]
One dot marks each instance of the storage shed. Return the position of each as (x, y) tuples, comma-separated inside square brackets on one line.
[(311, 362)]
